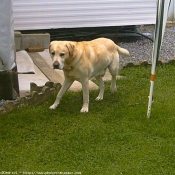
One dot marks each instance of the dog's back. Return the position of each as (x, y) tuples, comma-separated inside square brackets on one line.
[(109, 45)]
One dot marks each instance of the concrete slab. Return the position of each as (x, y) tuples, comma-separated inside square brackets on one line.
[(24, 62), (25, 79), (107, 77)]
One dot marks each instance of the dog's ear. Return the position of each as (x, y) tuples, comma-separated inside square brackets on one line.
[(50, 47), (51, 51), (71, 48)]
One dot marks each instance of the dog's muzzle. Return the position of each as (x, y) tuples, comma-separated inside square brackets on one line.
[(56, 65)]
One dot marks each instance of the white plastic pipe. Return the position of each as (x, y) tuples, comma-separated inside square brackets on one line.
[(7, 44)]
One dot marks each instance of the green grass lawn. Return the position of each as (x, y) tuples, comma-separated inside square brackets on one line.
[(115, 137)]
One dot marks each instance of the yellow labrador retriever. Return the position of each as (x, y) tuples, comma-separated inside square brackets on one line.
[(83, 60)]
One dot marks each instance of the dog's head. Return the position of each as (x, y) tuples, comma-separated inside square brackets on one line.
[(61, 52)]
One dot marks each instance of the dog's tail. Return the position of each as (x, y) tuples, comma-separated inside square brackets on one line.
[(123, 51)]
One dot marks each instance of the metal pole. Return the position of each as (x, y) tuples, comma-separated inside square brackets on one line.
[(162, 11)]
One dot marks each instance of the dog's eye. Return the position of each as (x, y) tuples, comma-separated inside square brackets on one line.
[(53, 53), (62, 54)]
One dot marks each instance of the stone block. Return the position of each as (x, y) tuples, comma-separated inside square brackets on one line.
[(17, 40), (34, 40)]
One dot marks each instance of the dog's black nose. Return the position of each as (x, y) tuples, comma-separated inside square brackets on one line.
[(56, 65)]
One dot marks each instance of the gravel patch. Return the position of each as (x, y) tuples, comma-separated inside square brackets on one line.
[(141, 49)]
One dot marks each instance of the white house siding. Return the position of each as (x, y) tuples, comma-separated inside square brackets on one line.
[(171, 13), (48, 14)]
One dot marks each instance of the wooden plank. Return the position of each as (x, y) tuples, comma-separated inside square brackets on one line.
[(50, 73)]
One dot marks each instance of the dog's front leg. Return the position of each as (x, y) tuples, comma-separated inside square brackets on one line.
[(67, 83), (85, 87)]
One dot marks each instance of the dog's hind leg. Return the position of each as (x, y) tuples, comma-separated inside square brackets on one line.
[(113, 69), (101, 86)]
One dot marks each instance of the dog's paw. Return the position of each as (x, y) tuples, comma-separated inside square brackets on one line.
[(83, 110), (99, 98), (113, 89), (53, 107)]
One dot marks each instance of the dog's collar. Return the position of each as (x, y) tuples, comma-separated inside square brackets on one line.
[(68, 68)]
